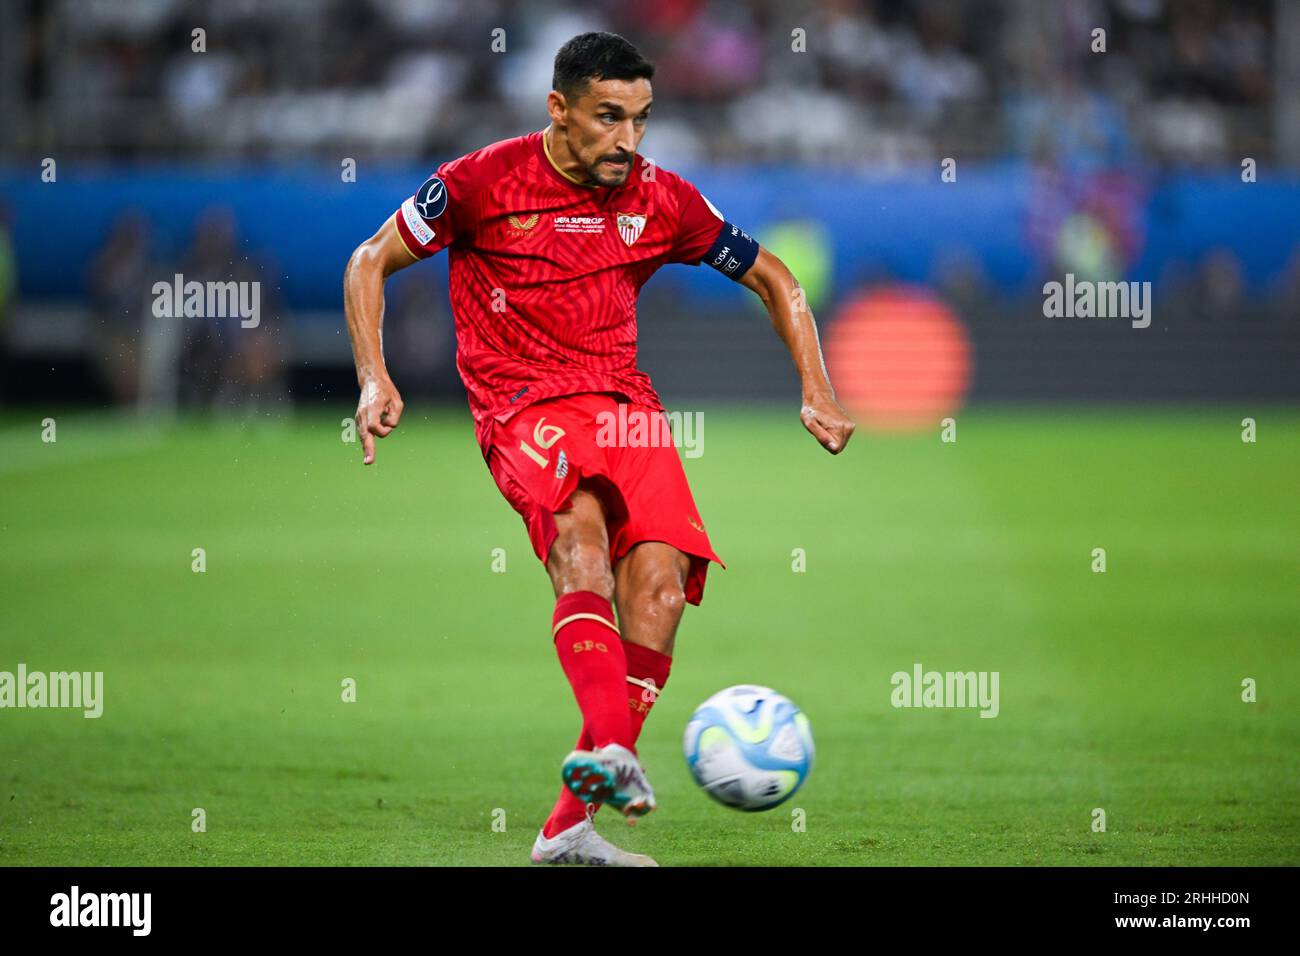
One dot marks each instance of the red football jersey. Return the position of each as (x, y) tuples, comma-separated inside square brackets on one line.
[(545, 271)]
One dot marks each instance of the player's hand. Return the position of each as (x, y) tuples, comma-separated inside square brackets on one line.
[(378, 412), (822, 415)]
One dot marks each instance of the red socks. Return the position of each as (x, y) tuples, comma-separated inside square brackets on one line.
[(646, 674), (591, 653)]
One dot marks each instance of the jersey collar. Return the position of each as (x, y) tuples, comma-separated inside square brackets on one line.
[(550, 161)]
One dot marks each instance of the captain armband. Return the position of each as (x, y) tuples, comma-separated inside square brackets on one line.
[(733, 252)]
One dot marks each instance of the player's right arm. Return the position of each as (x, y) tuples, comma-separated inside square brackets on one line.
[(379, 408), (426, 223)]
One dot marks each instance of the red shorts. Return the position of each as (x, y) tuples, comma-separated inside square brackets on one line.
[(538, 457)]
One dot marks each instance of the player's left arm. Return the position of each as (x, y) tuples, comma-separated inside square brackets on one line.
[(792, 318)]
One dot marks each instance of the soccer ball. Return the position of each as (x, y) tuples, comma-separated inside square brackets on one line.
[(749, 747)]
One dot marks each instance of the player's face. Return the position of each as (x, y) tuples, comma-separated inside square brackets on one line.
[(604, 127)]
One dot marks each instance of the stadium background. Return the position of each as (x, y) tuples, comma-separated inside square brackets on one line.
[(1173, 157)]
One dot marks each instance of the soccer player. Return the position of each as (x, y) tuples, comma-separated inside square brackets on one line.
[(551, 236)]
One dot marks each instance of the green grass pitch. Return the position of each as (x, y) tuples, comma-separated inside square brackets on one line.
[(1120, 691)]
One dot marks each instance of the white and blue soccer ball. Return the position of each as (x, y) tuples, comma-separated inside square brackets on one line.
[(749, 747)]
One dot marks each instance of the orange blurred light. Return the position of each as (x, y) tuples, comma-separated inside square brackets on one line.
[(899, 358)]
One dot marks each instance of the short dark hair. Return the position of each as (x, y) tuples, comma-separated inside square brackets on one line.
[(597, 56)]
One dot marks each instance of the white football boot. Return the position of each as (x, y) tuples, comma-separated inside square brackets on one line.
[(609, 774), (582, 845)]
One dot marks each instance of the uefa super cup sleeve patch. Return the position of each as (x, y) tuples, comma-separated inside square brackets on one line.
[(430, 200)]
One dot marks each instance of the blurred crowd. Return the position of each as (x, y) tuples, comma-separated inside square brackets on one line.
[(159, 361), (875, 83), (220, 363), (880, 85)]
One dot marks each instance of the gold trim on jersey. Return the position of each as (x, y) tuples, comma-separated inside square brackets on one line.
[(551, 159), (404, 245)]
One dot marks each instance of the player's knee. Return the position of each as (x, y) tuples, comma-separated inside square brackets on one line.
[(581, 566), (662, 598)]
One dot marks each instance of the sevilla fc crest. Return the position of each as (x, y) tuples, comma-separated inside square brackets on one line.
[(630, 226)]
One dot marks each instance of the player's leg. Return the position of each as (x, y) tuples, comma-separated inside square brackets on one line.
[(583, 627), (591, 653), (649, 584), (650, 591)]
